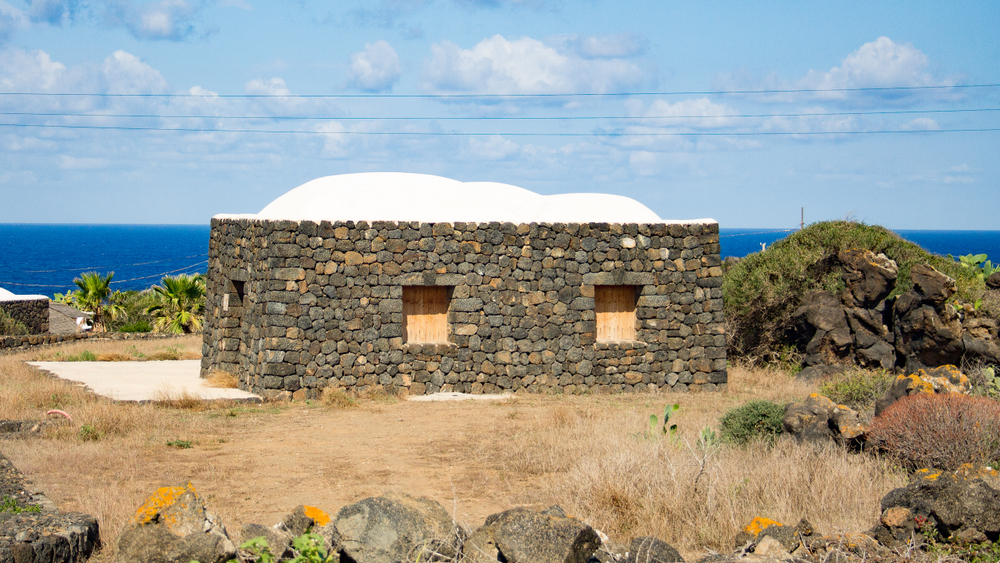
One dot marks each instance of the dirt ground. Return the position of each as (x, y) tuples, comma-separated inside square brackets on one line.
[(257, 463)]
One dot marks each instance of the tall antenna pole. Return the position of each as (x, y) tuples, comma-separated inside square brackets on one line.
[(802, 219)]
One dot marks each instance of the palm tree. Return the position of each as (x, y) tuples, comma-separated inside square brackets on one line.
[(94, 295), (180, 304)]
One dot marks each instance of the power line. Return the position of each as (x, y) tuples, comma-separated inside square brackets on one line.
[(498, 118), (87, 268), (485, 96), (515, 134), (160, 275)]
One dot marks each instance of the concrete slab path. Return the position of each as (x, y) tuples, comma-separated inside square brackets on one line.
[(157, 380), (142, 381)]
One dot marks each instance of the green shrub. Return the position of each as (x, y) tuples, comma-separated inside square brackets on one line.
[(10, 326), (939, 431), (858, 388), (137, 326), (85, 356), (763, 290), (756, 419)]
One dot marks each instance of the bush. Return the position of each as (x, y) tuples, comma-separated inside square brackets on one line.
[(763, 290), (756, 419), (10, 326), (939, 431), (137, 326), (858, 388)]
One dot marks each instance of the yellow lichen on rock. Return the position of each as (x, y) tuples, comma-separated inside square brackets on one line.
[(318, 516), (759, 524), (162, 498)]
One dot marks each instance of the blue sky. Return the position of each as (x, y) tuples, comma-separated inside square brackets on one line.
[(634, 98)]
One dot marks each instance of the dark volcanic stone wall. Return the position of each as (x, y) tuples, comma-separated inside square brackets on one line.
[(294, 307), (33, 313)]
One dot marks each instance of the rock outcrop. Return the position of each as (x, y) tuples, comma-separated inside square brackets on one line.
[(819, 420), (939, 380), (33, 529), (395, 527), (173, 525), (918, 329), (521, 535), (962, 505)]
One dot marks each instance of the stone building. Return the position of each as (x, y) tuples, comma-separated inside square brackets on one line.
[(30, 310), (426, 284)]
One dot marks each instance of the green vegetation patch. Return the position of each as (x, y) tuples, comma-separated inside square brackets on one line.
[(858, 388), (763, 290), (752, 421), (10, 326)]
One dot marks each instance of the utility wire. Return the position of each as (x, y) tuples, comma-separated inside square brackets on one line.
[(86, 268), (495, 118), (458, 134), (475, 96), (160, 275)]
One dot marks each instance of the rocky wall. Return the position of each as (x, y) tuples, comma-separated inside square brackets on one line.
[(33, 313), (294, 307)]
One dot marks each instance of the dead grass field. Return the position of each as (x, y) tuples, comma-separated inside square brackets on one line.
[(585, 453)]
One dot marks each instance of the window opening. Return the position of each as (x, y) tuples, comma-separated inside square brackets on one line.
[(425, 314), (615, 308)]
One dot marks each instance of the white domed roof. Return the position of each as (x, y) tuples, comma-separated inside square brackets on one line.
[(397, 196)]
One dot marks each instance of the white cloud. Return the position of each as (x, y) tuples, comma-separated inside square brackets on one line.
[(199, 91), (524, 66), (125, 73), (11, 19), (611, 46), (375, 69), (271, 87), (881, 63), (922, 124), (334, 139), (698, 113), (494, 147), (23, 71), (166, 19)]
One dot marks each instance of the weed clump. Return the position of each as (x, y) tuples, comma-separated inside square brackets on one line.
[(10, 326), (939, 431), (754, 420), (858, 388)]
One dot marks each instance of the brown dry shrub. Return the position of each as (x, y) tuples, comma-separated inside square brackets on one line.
[(222, 380), (114, 357), (338, 399), (939, 431)]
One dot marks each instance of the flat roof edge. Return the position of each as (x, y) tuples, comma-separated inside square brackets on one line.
[(254, 217)]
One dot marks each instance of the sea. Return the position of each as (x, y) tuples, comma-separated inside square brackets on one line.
[(40, 259)]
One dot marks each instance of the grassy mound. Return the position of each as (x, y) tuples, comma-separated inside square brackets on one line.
[(763, 290)]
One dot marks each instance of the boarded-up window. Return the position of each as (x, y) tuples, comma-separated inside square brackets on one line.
[(425, 314), (615, 308)]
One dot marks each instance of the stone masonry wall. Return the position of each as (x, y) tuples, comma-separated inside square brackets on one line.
[(33, 313), (294, 307)]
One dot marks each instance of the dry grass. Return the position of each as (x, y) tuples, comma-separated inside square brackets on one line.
[(338, 399), (222, 380), (585, 453), (184, 348), (592, 457), (103, 451)]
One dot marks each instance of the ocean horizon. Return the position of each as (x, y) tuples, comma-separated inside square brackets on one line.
[(43, 259)]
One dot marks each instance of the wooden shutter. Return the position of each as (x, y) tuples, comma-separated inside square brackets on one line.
[(425, 314), (615, 308)]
